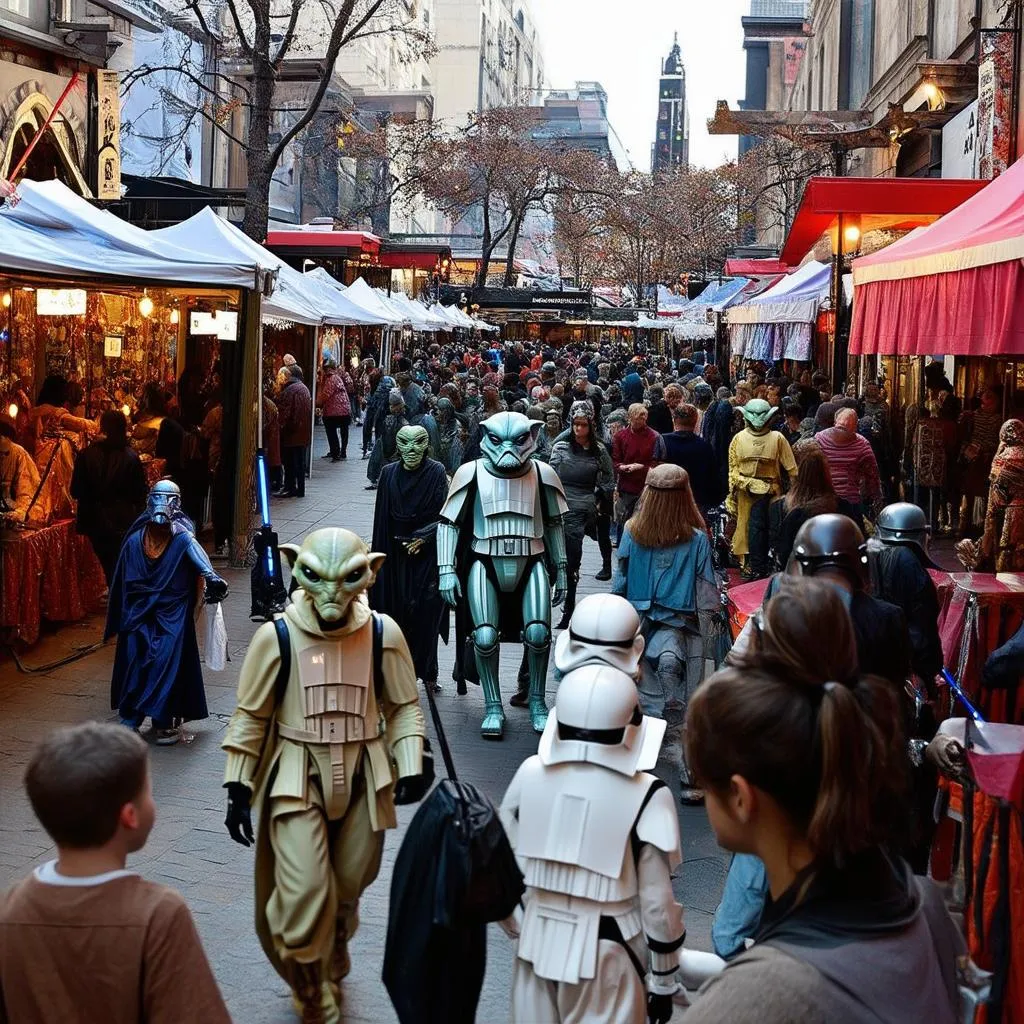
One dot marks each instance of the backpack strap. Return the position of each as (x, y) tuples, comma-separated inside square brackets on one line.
[(284, 671), (378, 656), (634, 839)]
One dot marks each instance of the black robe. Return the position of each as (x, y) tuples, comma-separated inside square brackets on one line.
[(409, 505)]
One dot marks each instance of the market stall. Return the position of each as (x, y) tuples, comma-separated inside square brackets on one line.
[(118, 317), (779, 323), (955, 287)]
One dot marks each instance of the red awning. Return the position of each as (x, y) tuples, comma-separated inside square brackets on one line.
[(871, 203), (300, 240), (954, 288), (754, 268), (409, 256)]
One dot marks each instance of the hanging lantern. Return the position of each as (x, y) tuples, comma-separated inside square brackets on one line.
[(12, 411), (5, 300), (145, 305), (175, 316)]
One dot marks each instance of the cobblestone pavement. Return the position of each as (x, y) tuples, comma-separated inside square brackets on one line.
[(189, 848)]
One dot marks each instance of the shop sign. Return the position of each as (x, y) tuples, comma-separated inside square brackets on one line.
[(995, 73), (60, 301), (960, 144), (108, 135), (222, 325), (112, 346)]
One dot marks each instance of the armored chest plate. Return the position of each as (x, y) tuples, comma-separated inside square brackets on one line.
[(508, 506), (335, 678)]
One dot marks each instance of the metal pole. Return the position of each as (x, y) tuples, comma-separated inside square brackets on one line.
[(316, 363)]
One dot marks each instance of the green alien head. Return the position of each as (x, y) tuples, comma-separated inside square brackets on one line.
[(757, 412), (412, 446), (508, 439)]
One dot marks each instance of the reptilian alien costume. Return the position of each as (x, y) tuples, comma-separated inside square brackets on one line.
[(499, 541), (328, 736)]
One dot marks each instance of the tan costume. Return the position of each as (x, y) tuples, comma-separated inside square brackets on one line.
[(323, 764), (756, 458)]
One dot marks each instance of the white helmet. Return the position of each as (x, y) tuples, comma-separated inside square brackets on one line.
[(597, 719), (604, 630)]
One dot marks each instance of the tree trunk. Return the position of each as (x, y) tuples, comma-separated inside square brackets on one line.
[(257, 159), (510, 260), (486, 247)]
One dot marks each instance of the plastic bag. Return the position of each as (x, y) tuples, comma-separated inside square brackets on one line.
[(215, 637)]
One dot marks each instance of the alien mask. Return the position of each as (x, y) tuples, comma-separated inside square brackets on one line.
[(412, 446), (508, 439), (334, 567), (164, 502)]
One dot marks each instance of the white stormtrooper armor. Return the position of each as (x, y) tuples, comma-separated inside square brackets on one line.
[(597, 838), (604, 630)]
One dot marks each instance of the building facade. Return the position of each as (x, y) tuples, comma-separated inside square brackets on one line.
[(578, 117), (488, 54), (671, 151)]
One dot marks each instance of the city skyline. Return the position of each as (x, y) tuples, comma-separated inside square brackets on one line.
[(584, 40)]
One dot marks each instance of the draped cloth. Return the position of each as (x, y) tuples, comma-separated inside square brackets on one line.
[(409, 506), (156, 668)]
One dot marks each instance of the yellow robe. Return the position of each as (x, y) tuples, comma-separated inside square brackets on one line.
[(755, 462)]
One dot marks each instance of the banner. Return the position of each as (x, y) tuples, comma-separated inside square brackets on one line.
[(995, 75), (108, 135)]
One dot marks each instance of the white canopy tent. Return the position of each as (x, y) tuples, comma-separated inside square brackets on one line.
[(54, 231)]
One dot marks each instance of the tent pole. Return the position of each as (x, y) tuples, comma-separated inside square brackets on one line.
[(312, 433)]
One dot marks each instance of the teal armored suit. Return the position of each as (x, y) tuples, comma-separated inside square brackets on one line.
[(501, 534)]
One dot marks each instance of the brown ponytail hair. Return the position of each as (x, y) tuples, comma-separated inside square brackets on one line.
[(791, 717)]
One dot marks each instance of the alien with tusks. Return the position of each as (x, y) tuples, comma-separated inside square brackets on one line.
[(326, 738), (500, 544)]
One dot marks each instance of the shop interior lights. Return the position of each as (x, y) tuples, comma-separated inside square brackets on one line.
[(5, 300), (12, 411), (145, 305), (852, 234), (175, 316)]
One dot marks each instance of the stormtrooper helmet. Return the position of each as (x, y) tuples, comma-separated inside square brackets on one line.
[(597, 720), (164, 502), (605, 630)]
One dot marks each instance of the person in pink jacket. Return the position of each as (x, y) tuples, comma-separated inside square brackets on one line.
[(336, 406)]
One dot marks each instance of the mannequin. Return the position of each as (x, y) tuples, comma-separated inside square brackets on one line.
[(499, 537), (325, 781), (597, 837)]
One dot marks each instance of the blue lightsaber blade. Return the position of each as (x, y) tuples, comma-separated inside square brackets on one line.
[(960, 695), (263, 491)]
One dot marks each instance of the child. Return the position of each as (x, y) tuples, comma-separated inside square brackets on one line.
[(82, 938)]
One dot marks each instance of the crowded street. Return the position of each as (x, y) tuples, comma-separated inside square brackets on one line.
[(511, 510)]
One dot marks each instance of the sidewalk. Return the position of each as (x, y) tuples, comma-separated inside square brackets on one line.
[(190, 849)]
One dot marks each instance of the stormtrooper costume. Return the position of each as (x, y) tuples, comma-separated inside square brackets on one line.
[(597, 838), (604, 630)]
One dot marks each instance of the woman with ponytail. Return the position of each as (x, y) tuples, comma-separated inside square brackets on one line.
[(803, 765)]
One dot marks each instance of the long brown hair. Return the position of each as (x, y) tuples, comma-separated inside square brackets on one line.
[(813, 490), (791, 717), (664, 519)]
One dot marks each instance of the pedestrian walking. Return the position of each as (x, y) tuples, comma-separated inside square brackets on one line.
[(664, 570), (685, 448), (333, 399), (109, 485), (811, 494), (853, 466), (295, 418), (635, 451), (83, 938)]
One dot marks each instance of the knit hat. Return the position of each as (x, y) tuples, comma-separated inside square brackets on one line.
[(581, 411)]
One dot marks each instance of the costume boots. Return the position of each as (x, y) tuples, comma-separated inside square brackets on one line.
[(570, 602), (606, 570), (313, 999)]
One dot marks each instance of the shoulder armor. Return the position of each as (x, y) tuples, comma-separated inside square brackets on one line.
[(393, 635), (553, 492), (659, 825), (456, 500), (549, 477)]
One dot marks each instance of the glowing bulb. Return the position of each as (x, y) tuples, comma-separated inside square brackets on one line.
[(6, 300), (852, 234), (126, 410), (175, 316), (146, 305), (12, 411)]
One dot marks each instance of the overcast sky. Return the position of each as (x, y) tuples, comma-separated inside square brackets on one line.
[(621, 43)]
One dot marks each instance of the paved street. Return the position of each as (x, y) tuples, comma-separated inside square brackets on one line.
[(189, 848)]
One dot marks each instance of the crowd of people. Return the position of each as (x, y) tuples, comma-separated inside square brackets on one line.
[(816, 770)]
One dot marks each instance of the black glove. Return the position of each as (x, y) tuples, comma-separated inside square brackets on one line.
[(216, 589), (659, 1008), (413, 788), (239, 819)]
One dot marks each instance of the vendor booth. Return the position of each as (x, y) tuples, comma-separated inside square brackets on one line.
[(780, 323)]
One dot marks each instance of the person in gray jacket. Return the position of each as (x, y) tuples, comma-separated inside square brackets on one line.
[(803, 765)]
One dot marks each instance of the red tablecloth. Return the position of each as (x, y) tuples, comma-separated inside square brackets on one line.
[(979, 614), (50, 574)]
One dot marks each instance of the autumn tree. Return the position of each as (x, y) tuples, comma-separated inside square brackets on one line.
[(580, 236), (256, 41)]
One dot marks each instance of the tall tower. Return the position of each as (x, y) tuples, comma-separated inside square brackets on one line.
[(672, 136)]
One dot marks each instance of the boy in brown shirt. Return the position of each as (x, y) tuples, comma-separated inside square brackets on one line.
[(82, 939)]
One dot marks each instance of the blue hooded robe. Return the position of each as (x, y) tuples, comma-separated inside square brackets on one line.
[(151, 610)]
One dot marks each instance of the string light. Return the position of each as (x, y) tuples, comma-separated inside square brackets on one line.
[(145, 305)]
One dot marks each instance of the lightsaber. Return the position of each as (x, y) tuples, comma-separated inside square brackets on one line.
[(268, 591), (947, 677), (263, 490)]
